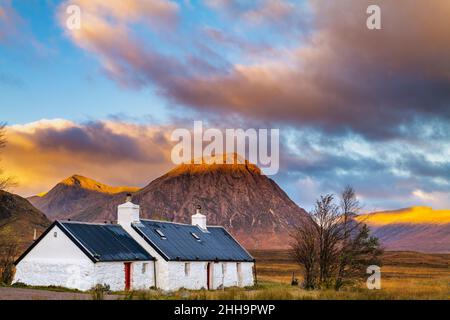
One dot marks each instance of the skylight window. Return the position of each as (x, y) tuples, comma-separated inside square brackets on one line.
[(160, 233), (195, 236)]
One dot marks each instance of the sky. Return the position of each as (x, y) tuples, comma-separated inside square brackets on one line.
[(369, 108)]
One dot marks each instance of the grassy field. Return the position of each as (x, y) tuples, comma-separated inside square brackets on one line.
[(405, 275)]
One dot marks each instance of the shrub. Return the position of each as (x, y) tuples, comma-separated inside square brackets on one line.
[(98, 292)]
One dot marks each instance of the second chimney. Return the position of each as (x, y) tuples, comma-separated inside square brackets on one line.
[(128, 212), (198, 219)]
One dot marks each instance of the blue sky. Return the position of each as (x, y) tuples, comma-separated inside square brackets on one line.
[(360, 107), (52, 78)]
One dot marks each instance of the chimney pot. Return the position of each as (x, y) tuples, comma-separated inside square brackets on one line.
[(129, 197)]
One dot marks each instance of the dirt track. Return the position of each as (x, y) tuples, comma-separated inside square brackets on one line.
[(34, 294)]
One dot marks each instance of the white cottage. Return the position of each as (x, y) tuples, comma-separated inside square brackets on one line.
[(136, 254)]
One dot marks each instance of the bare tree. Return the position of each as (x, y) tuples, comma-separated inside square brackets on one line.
[(327, 223), (305, 250), (349, 209), (358, 248), (332, 246), (8, 252), (5, 182)]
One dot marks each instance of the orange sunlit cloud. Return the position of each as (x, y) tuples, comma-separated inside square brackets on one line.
[(42, 153)]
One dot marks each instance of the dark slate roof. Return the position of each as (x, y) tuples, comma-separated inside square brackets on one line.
[(100, 242), (106, 242), (178, 242)]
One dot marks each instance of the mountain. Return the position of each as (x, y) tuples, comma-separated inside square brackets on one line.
[(415, 229), (19, 219), (76, 196), (237, 196)]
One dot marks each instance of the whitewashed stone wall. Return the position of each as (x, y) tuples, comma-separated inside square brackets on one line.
[(113, 274), (230, 278), (142, 279), (110, 273), (195, 280), (47, 273), (246, 278), (225, 274), (216, 275)]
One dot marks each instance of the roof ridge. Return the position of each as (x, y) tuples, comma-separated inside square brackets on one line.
[(180, 223), (88, 223)]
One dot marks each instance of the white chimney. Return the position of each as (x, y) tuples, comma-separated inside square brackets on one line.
[(199, 219), (128, 212)]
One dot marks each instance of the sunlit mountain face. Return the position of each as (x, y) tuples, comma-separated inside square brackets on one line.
[(413, 229), (89, 184), (413, 215)]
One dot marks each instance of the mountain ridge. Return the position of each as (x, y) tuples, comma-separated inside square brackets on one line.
[(74, 195), (252, 206), (19, 220)]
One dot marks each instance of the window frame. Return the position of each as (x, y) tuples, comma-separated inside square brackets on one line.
[(144, 267)]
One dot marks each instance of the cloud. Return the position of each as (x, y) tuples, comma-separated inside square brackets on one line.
[(155, 13), (277, 13), (342, 77), (10, 22), (345, 77), (106, 31), (42, 153), (386, 175)]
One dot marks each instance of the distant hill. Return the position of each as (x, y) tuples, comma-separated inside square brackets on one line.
[(76, 196), (252, 206), (19, 219), (416, 229)]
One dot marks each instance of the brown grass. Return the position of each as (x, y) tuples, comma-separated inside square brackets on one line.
[(405, 275)]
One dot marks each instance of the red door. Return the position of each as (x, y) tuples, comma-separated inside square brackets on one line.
[(127, 275), (208, 275)]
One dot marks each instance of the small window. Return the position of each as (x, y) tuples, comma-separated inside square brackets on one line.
[(55, 234), (187, 269), (195, 236), (144, 268), (160, 233), (224, 268)]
